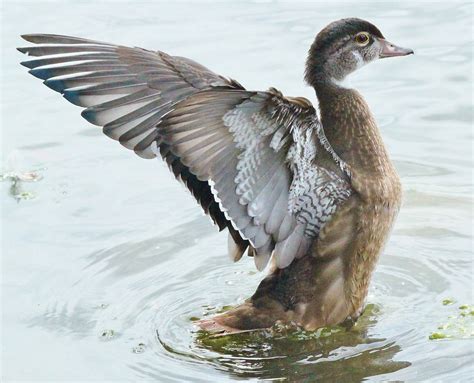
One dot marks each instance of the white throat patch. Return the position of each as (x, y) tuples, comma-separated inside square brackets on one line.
[(359, 59), (341, 83), (359, 64)]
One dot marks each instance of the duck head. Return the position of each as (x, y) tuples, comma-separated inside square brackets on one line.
[(345, 46)]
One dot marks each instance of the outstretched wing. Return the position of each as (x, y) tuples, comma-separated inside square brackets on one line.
[(125, 90), (257, 162)]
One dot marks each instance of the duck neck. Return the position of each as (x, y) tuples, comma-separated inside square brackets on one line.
[(350, 128), (325, 86), (353, 134)]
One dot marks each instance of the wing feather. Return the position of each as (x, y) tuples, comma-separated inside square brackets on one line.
[(257, 178), (249, 158)]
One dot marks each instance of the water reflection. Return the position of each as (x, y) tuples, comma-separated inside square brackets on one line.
[(140, 292), (337, 354)]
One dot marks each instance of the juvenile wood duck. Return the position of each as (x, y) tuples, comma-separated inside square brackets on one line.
[(315, 195)]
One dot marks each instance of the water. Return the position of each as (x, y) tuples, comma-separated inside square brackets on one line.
[(106, 259)]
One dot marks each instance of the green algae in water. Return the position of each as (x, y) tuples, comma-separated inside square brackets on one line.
[(448, 301), (285, 345), (466, 310), (288, 333), (458, 326), (438, 335), (258, 338), (322, 332)]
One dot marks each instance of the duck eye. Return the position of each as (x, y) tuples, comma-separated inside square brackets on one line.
[(362, 38)]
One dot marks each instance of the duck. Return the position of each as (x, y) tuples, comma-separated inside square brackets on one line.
[(309, 193)]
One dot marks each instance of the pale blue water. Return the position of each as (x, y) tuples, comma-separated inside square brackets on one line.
[(111, 252)]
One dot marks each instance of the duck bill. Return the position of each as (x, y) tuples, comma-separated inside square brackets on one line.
[(391, 50)]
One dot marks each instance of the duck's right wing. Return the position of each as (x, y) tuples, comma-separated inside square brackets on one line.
[(253, 160), (125, 90)]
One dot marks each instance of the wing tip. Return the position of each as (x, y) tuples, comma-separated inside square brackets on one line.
[(23, 50), (39, 38), (72, 96), (42, 74), (54, 84), (30, 37), (27, 64), (88, 114)]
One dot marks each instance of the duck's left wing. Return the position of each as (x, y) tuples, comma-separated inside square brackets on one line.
[(262, 154)]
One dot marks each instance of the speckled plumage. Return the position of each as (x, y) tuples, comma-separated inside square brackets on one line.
[(258, 152), (318, 196)]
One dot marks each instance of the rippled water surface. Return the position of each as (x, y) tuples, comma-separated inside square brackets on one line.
[(106, 259)]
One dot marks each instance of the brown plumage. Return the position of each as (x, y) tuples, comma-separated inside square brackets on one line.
[(317, 196)]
